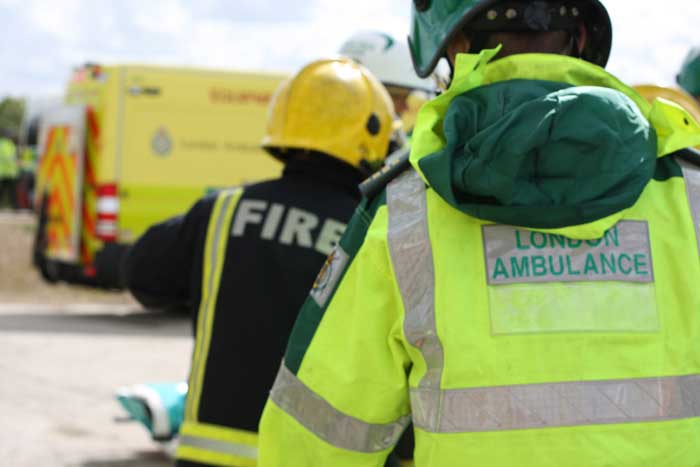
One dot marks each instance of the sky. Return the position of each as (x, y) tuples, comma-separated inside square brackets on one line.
[(44, 39)]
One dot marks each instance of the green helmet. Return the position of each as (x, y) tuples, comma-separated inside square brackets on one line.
[(689, 77), (434, 22)]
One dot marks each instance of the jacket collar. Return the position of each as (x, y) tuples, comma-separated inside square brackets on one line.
[(675, 128), (321, 169)]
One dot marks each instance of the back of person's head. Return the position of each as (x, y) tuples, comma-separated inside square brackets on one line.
[(689, 77), (443, 28), (334, 108), (390, 61)]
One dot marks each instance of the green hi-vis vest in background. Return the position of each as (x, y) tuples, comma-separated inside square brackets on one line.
[(27, 160), (527, 295), (8, 159)]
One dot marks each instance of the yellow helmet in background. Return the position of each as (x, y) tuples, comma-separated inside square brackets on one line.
[(335, 107), (414, 102), (650, 92)]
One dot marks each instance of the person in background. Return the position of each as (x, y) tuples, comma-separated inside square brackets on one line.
[(8, 170), (689, 76), (244, 259), (390, 61), (652, 92), (26, 178), (28, 158)]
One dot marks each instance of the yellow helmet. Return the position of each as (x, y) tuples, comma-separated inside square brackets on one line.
[(335, 107), (651, 92), (414, 102)]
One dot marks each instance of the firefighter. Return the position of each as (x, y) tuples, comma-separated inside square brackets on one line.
[(526, 290), (27, 167), (390, 61), (243, 260), (689, 77), (26, 178), (8, 171)]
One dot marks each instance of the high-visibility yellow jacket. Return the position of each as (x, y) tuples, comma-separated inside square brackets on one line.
[(8, 159), (568, 336), (27, 160)]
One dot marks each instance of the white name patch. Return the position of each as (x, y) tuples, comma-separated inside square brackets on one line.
[(516, 256)]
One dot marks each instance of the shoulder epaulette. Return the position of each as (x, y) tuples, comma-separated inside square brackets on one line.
[(395, 164), (690, 155)]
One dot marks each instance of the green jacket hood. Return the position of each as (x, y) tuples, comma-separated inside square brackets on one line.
[(542, 154), (543, 142)]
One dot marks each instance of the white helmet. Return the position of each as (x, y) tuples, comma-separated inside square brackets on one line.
[(389, 60)]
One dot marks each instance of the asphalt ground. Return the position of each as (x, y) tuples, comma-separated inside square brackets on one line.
[(63, 353)]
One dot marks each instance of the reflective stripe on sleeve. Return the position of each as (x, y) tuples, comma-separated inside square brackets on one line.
[(220, 447), (214, 255), (557, 404), (691, 177), (412, 260), (325, 421), (217, 445)]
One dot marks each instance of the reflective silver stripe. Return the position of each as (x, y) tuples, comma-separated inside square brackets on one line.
[(228, 197), (558, 404), (412, 259), (220, 447), (691, 176), (328, 423)]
